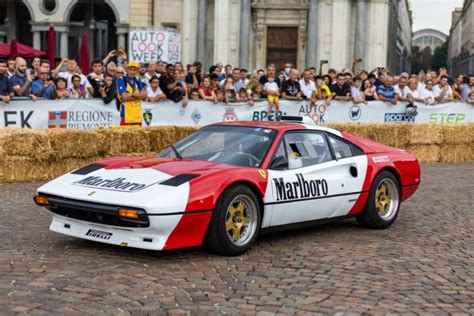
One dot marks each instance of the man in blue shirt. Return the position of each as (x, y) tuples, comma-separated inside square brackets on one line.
[(21, 81), (130, 93), (5, 88), (386, 91), (42, 87)]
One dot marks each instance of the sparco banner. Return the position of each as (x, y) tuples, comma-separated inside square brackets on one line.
[(145, 45), (84, 114)]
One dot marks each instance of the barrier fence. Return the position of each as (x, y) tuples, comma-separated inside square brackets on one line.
[(90, 113), (38, 155)]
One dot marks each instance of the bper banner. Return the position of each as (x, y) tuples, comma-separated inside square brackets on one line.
[(90, 113), (149, 44)]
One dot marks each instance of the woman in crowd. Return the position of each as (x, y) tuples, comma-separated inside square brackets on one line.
[(253, 82), (257, 92), (61, 91), (178, 66), (78, 90), (322, 91), (369, 91), (412, 94), (229, 90), (470, 98), (326, 80), (153, 91), (281, 76), (206, 91)]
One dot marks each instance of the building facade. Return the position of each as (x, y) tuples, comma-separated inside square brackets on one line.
[(429, 37), (461, 40)]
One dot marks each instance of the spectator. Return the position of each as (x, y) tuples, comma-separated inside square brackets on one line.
[(153, 91), (286, 70), (229, 90), (321, 92), (257, 92), (333, 76), (357, 95), (244, 96), (10, 68), (260, 73), (206, 92), (215, 82), (348, 78), (252, 83), (271, 71), (73, 69), (241, 81), (272, 91), (369, 91), (307, 85), (77, 90), (442, 91), (386, 91), (194, 94), (61, 91), (130, 93), (151, 70), (42, 87), (35, 64), (96, 77), (341, 91), (46, 66), (412, 92), (470, 98), (220, 95), (119, 72), (5, 88), (172, 87), (194, 77), (178, 66), (227, 70), (281, 77), (327, 80), (458, 81), (111, 68), (108, 89), (142, 70), (401, 89), (467, 88), (428, 95), (290, 89), (20, 82)]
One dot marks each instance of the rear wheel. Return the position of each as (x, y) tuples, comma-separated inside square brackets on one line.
[(383, 203), (235, 222)]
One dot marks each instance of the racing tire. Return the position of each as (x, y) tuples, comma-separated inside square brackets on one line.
[(235, 222), (383, 203)]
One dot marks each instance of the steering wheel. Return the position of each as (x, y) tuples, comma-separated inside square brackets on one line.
[(253, 160)]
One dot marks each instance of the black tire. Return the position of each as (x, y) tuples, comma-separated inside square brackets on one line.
[(370, 217), (217, 238)]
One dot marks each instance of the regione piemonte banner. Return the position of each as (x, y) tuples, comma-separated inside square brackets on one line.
[(147, 44)]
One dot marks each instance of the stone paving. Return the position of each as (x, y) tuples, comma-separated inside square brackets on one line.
[(423, 264)]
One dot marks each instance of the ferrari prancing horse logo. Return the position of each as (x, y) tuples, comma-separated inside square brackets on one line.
[(262, 173)]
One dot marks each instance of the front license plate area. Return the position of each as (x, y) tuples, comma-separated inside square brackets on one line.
[(99, 234)]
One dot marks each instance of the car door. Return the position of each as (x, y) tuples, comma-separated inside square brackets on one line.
[(308, 186)]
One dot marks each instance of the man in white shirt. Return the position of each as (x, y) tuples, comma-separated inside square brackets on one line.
[(307, 85), (72, 69), (427, 93), (356, 94), (401, 89), (442, 91)]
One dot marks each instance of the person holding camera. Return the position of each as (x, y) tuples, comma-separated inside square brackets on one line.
[(42, 87), (172, 87), (107, 89), (96, 77), (21, 81)]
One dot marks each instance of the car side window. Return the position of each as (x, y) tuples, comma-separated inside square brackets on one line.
[(306, 149), (341, 148)]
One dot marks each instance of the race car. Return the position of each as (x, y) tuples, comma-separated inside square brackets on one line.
[(228, 182)]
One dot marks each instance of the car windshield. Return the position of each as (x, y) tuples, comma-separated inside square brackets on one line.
[(235, 145)]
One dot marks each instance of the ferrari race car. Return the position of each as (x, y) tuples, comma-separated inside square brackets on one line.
[(226, 183)]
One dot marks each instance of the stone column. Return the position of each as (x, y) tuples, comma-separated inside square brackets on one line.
[(221, 31), (245, 25), (359, 50), (201, 31), (64, 44), (37, 40), (312, 42)]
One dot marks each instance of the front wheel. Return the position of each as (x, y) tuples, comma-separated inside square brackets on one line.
[(235, 222), (383, 203)]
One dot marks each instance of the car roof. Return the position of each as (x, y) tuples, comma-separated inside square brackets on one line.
[(280, 126)]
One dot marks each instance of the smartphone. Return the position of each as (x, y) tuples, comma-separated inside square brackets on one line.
[(82, 88)]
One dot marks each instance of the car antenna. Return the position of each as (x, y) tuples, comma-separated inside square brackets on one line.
[(176, 152)]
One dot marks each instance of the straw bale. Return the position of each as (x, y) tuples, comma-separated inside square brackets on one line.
[(20, 169), (457, 153), (425, 134), (457, 134), (68, 143), (121, 141), (27, 143), (426, 153), (161, 137)]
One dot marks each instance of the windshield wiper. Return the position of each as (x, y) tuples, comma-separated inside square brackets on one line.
[(176, 152)]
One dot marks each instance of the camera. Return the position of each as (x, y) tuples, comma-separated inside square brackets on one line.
[(324, 61), (358, 60), (101, 84)]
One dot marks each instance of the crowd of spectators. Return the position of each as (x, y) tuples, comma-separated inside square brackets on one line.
[(158, 81)]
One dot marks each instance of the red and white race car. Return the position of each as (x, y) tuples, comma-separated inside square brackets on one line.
[(224, 184)]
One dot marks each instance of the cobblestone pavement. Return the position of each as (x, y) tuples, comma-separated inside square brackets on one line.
[(424, 263)]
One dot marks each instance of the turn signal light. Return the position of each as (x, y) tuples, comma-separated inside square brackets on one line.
[(127, 213), (41, 200)]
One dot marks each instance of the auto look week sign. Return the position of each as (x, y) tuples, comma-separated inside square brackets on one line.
[(145, 45)]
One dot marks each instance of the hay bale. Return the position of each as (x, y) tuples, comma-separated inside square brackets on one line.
[(68, 143), (457, 153), (27, 143), (424, 134), (457, 134), (122, 141), (426, 153), (161, 137), (20, 169)]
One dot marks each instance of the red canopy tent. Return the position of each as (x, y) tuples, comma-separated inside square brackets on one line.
[(15, 49), (84, 58), (50, 46)]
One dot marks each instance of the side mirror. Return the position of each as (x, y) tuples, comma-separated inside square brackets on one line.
[(279, 163)]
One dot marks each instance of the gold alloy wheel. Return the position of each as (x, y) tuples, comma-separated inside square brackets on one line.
[(387, 199), (241, 220)]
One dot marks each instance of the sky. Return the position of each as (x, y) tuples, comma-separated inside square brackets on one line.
[(434, 14)]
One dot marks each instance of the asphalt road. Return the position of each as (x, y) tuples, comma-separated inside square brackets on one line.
[(424, 263)]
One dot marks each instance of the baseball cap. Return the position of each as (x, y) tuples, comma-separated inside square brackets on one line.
[(133, 63)]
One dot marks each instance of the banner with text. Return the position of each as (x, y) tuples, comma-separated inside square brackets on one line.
[(84, 114), (145, 45)]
